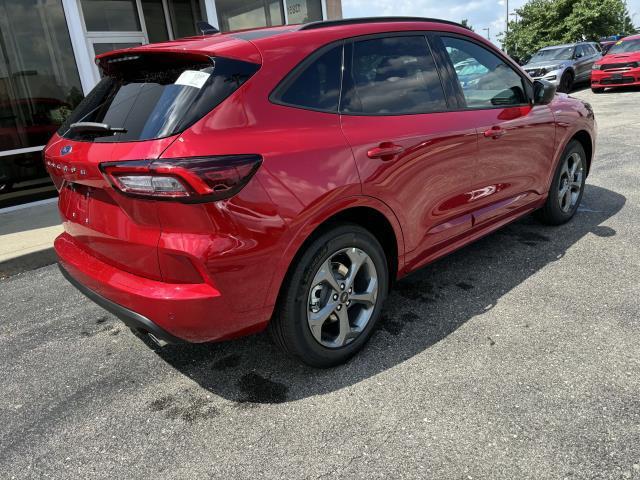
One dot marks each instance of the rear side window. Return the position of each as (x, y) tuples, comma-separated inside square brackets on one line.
[(315, 85), (392, 76), (156, 96), (484, 78)]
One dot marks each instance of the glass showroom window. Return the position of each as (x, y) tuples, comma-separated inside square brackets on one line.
[(234, 15), (39, 86), (111, 15), (184, 16), (304, 11)]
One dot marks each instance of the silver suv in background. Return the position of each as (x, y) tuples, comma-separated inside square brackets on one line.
[(564, 65)]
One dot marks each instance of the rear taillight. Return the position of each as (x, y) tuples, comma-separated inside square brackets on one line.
[(198, 179)]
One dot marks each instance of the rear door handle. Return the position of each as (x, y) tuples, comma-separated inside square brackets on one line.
[(495, 132), (385, 151)]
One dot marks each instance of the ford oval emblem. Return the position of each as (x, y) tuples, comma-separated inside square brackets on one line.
[(66, 149)]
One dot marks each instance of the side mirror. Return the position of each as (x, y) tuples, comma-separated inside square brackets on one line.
[(543, 92)]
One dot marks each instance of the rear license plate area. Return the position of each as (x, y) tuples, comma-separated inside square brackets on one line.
[(79, 199)]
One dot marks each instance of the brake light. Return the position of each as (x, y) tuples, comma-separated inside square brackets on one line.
[(197, 179)]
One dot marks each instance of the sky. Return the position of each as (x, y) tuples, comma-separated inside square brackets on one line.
[(480, 13)]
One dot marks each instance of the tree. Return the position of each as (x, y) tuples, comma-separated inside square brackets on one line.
[(465, 23), (551, 22), (627, 23)]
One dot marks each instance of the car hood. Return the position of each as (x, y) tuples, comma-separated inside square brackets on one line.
[(546, 64), (619, 58)]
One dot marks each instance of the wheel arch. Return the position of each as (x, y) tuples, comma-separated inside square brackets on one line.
[(584, 138), (368, 212), (581, 135)]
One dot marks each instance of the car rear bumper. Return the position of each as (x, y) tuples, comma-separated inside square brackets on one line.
[(129, 317), (600, 79), (170, 311)]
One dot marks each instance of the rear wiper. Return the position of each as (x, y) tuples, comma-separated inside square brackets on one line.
[(94, 127)]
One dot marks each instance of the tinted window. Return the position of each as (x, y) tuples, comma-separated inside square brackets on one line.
[(485, 79), (316, 85), (581, 51), (626, 46), (156, 96), (390, 76)]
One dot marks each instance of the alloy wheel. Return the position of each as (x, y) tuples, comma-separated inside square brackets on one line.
[(570, 184), (342, 297)]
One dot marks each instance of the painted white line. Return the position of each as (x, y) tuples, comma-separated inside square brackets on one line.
[(28, 205)]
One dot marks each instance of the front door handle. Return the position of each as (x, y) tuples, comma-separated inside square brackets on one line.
[(495, 132), (385, 151)]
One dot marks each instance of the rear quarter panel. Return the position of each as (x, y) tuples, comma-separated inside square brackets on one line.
[(307, 165)]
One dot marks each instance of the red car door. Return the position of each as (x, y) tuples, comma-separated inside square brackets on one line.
[(516, 140), (410, 151)]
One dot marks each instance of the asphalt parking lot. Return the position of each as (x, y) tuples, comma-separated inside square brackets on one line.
[(517, 357)]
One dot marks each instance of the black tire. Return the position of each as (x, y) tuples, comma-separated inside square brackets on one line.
[(289, 327), (566, 82), (552, 212), (597, 90)]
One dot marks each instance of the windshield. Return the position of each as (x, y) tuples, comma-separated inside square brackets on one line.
[(157, 96), (625, 46), (560, 53)]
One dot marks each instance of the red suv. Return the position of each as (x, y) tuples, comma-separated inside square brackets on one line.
[(286, 177), (619, 67)]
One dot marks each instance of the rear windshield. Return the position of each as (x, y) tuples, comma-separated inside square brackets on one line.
[(155, 96)]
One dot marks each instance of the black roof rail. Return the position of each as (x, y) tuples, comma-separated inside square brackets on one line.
[(355, 21)]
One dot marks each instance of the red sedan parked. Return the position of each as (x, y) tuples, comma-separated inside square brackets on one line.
[(619, 67), (286, 177)]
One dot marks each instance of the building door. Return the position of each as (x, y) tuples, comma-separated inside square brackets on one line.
[(114, 24)]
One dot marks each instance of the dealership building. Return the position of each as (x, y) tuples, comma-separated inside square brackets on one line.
[(47, 50)]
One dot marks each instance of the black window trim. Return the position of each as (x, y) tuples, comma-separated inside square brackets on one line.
[(454, 95), (452, 76), (347, 44), (276, 94)]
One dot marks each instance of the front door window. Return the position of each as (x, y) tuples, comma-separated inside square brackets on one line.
[(485, 79)]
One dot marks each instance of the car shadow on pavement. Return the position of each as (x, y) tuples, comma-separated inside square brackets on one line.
[(632, 88), (421, 310)]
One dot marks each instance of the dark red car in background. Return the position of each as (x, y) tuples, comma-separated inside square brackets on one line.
[(619, 67), (286, 177)]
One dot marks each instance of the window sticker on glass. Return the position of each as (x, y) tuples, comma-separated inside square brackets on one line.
[(193, 78)]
